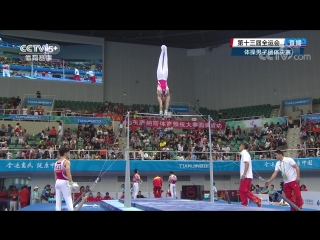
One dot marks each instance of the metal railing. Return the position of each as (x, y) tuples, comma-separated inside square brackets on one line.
[(107, 154), (241, 118), (42, 96), (280, 110), (174, 113), (193, 107), (198, 112), (7, 111)]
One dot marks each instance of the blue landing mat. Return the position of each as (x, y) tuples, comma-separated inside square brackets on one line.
[(189, 205), (99, 80), (115, 205), (52, 207)]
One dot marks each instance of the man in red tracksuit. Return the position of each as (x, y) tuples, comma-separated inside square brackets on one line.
[(91, 198), (3, 199), (157, 187), (24, 196)]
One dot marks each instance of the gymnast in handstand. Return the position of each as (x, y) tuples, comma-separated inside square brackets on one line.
[(163, 93)]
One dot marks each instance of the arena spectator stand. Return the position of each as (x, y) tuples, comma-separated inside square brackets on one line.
[(309, 139), (171, 144), (119, 108), (85, 142), (9, 105), (153, 142), (98, 107)]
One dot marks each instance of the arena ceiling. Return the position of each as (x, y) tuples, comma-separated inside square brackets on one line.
[(188, 39)]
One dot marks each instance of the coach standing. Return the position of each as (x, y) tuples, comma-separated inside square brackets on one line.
[(246, 177), (291, 177)]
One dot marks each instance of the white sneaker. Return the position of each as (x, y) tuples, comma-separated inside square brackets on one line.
[(163, 48), (161, 113), (165, 112)]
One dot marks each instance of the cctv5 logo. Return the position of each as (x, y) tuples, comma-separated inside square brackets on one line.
[(40, 49)]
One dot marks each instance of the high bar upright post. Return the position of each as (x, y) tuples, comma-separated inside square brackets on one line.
[(127, 193), (211, 162)]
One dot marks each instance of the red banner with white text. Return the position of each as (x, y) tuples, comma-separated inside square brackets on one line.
[(177, 124), (113, 117)]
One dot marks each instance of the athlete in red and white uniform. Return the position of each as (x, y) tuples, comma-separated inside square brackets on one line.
[(172, 180), (163, 93), (92, 77), (136, 181), (63, 178), (6, 70), (76, 75)]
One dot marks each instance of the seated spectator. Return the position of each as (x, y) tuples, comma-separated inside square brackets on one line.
[(21, 139), (40, 110), (97, 156), (107, 197), (300, 152), (91, 198), (3, 155), (31, 111), (53, 133), (264, 190), (81, 153), (98, 198), (262, 156), (303, 188), (257, 189), (44, 135), (17, 129), (180, 156), (140, 195), (226, 156)]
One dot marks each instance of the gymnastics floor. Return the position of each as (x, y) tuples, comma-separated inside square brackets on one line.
[(99, 80), (52, 207), (161, 204), (92, 207)]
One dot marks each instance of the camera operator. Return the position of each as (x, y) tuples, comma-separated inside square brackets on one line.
[(45, 194)]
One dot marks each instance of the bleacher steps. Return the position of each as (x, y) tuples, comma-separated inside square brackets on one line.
[(293, 138), (274, 112)]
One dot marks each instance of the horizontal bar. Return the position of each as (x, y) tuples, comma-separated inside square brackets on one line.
[(170, 115), (239, 119)]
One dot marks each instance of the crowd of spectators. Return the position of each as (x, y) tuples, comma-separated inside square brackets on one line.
[(309, 139), (168, 143), (100, 142), (85, 142), (12, 199), (10, 105)]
